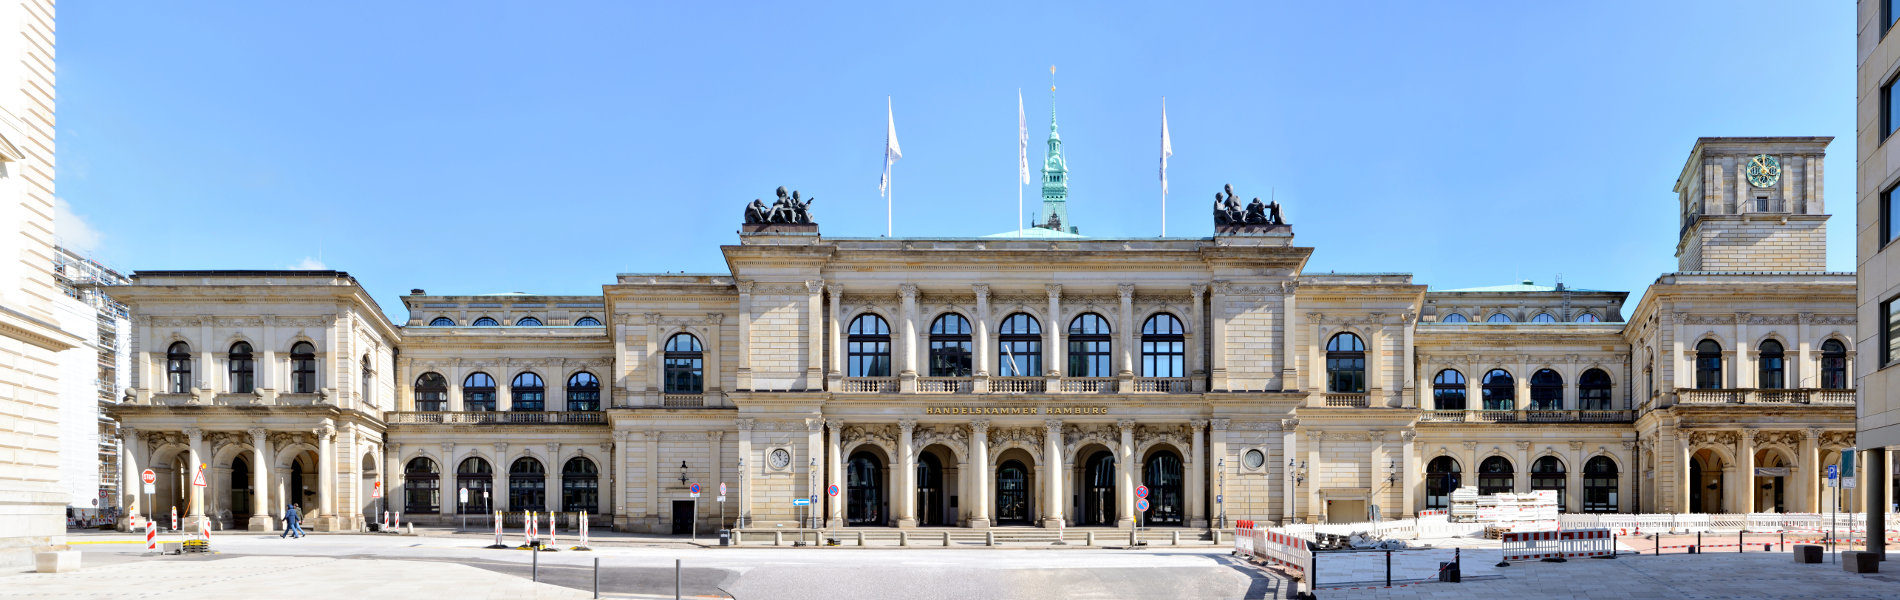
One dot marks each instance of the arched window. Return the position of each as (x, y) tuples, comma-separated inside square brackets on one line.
[(478, 392), (1453, 318), (583, 392), (421, 486), (528, 322), (527, 485), (178, 368), (580, 485), (1593, 390), (1500, 390), (1833, 365), (1441, 478), (1346, 364), (1772, 370), (1019, 346), (587, 322), (442, 322), (486, 322), (685, 365), (1498, 318), (950, 346), (527, 392), (1543, 318), (1588, 317), (1448, 390), (303, 368), (1547, 473), (1089, 347), (243, 369), (1599, 485), (1708, 365), (1495, 476), (868, 347), (478, 478), (368, 380), (1547, 390), (432, 392), (1163, 347)]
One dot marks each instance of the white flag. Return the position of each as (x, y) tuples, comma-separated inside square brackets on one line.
[(1022, 141), (1167, 149), (891, 151)]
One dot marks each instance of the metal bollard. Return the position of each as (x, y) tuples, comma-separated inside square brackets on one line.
[(1740, 544), (676, 579), (946, 539), (1656, 549), (534, 572), (903, 538), (1458, 562), (1175, 538), (1388, 568), (1089, 538), (1698, 543), (596, 578)]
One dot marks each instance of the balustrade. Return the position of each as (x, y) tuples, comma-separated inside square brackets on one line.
[(1088, 385), (1162, 385), (1822, 397), (495, 417), (944, 385), (1018, 385), (869, 385)]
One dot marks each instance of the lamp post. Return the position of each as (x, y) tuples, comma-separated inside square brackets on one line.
[(694, 518), (1220, 489)]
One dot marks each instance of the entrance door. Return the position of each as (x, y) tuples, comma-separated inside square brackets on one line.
[(929, 491), (682, 517), (240, 491), (1098, 496), (1012, 494), (864, 493), (1162, 475)]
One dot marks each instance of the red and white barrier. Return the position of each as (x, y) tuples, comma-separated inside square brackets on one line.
[(498, 542), (151, 536), (1291, 553), (399, 519), (385, 523), (552, 529), (204, 529), (174, 518), (528, 526), (583, 532), (1576, 543)]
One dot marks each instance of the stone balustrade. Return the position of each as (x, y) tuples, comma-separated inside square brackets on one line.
[(1820, 397), (1527, 416), (527, 417)]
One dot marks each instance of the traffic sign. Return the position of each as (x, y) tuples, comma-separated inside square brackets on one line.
[(1141, 491), (1847, 482), (832, 490), (464, 494), (801, 502), (722, 488), (376, 490), (1217, 498), (694, 491), (1141, 505), (151, 488), (199, 479), (722, 498), (148, 477)]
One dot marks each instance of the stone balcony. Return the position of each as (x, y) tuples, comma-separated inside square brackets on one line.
[(1765, 397), (526, 417), (1527, 416), (1017, 385), (262, 398)]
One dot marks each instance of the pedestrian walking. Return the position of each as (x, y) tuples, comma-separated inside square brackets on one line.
[(293, 523)]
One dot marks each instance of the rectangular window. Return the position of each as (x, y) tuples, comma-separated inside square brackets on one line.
[(1889, 335), (1889, 208), (1889, 10), (1887, 100)]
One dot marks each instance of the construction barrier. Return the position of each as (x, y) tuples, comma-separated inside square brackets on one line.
[(1292, 554), (151, 536), (1538, 545), (498, 542), (583, 533), (399, 519), (552, 531)]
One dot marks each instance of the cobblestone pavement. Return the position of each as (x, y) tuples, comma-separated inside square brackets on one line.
[(245, 577), (1719, 575)]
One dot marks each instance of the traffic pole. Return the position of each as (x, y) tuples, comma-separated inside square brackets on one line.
[(151, 536)]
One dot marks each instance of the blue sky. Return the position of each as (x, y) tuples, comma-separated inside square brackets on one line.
[(494, 148)]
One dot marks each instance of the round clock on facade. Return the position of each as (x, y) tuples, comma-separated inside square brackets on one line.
[(781, 458), (1763, 171), (1253, 459)]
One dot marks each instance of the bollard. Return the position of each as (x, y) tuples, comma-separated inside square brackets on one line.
[(1175, 539), (1089, 538), (903, 538), (1740, 545), (1698, 544), (989, 538), (860, 538), (1458, 563), (676, 579), (1656, 549), (596, 578), (1388, 568), (534, 572)]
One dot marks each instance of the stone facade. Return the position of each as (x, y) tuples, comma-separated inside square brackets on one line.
[(1877, 175)]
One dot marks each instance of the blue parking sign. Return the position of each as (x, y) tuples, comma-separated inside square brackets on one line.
[(1833, 471)]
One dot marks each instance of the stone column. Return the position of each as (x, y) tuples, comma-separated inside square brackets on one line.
[(983, 350), (1289, 476), (326, 475), (1217, 337), (1408, 363), (1798, 376), (1196, 339), (260, 482), (1126, 314), (196, 452), (834, 330), (1811, 471), (834, 474), (1377, 467), (395, 480), (906, 473), (1408, 473), (448, 487), (1683, 481), (1744, 353), (1375, 361), (1196, 468), (745, 340), (745, 472), (655, 517), (552, 500), (1289, 346), (505, 387), (815, 335), (979, 475), (907, 365), (713, 382), (1125, 474), (1315, 510), (1054, 332), (1747, 478), (1052, 461), (622, 505), (131, 484), (498, 499)]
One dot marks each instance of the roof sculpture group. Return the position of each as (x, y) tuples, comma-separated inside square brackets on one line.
[(1229, 215), (787, 210)]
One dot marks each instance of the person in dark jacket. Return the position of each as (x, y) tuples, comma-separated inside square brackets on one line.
[(293, 522)]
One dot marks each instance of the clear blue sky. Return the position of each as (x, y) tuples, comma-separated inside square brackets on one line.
[(503, 147)]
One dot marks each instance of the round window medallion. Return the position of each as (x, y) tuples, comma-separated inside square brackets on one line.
[(1254, 458)]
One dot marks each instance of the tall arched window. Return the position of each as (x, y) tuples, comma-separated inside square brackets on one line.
[(1588, 317), (1599, 485), (685, 365), (1019, 346), (421, 486), (528, 322), (432, 392), (1708, 365), (868, 344), (1453, 318), (583, 392), (1771, 371), (1089, 347), (486, 322), (478, 478), (1833, 365), (1500, 390), (243, 369), (1441, 478), (1547, 390), (1498, 318), (478, 392), (1543, 318), (950, 346), (368, 379), (1593, 390), (527, 392), (1448, 390), (1495, 476), (1163, 347), (527, 485), (580, 485), (303, 368), (1548, 474), (1346, 364), (587, 322), (442, 322), (178, 368)]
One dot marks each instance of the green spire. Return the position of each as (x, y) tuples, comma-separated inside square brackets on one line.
[(1055, 174)]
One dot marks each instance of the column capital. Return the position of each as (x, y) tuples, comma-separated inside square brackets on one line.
[(1288, 287), (715, 318), (907, 291), (715, 435), (1813, 435), (814, 425), (980, 427), (836, 290), (128, 435), (835, 424), (1197, 424), (745, 424), (907, 425), (1125, 291), (391, 447), (982, 291), (448, 454), (325, 432), (1285, 424), (1196, 291), (1053, 427), (745, 287), (652, 318), (1054, 290), (1125, 424), (1408, 435), (501, 453), (198, 435), (554, 456), (814, 286), (257, 433)]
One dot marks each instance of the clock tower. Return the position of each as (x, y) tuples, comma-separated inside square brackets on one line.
[(1753, 204)]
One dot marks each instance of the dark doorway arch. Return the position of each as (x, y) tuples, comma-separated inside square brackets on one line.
[(240, 490), (929, 490), (1012, 494), (864, 481), (1162, 475), (1098, 490), (1442, 476)]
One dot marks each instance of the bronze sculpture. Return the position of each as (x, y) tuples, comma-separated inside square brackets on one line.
[(789, 209)]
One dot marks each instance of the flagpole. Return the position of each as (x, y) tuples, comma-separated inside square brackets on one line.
[(1164, 166)]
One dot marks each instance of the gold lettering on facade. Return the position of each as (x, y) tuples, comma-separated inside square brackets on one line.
[(1015, 410)]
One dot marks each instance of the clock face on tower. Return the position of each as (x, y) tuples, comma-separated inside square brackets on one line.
[(781, 458), (1763, 171)]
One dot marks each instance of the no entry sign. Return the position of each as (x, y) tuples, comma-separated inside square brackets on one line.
[(694, 491), (1141, 491), (831, 489), (1141, 505)]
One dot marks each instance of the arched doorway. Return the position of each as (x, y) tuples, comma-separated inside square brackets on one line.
[(1599, 485), (373, 506), (1548, 474), (1771, 477), (1496, 476), (1162, 474), (1706, 482), (1013, 495), (1098, 490), (300, 494), (240, 490), (1442, 476), (930, 501), (864, 490)]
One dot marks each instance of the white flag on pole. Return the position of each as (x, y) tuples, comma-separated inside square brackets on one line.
[(1022, 141), (891, 151), (1167, 149)]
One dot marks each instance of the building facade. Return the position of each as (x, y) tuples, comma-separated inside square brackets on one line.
[(1876, 111), (1017, 380), (91, 377)]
